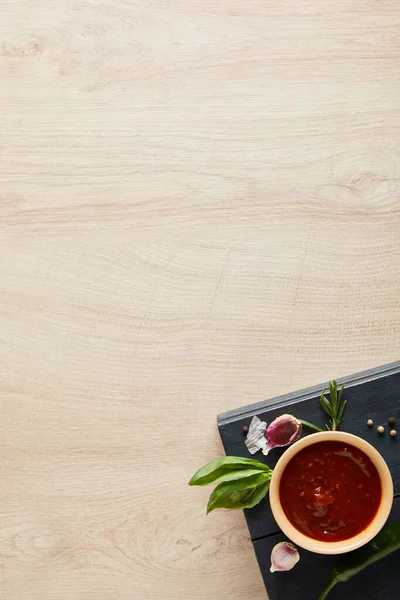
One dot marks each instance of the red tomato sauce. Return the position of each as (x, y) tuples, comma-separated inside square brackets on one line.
[(330, 491)]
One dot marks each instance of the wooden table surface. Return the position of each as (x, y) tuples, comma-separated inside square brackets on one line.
[(199, 208)]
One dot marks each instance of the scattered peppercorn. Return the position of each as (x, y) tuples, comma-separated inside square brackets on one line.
[(245, 429), (393, 432), (391, 420), (370, 422), (380, 429)]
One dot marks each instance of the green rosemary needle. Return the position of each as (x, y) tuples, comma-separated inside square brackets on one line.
[(334, 405)]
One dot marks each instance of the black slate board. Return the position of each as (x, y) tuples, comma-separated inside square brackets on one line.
[(373, 394)]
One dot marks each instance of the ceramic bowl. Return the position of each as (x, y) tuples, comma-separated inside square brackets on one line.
[(300, 539)]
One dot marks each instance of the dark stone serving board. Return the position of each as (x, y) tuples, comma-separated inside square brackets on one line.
[(373, 394)]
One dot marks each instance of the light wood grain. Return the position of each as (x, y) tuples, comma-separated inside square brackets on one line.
[(199, 208)]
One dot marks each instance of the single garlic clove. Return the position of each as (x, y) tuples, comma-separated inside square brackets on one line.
[(256, 439), (283, 431), (284, 556)]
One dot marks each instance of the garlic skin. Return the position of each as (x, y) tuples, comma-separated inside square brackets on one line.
[(256, 439), (284, 557), (283, 431)]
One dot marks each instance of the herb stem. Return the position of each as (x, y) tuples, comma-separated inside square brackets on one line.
[(310, 425), (328, 588)]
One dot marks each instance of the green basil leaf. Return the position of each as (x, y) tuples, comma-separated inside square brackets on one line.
[(244, 493), (221, 475), (217, 470)]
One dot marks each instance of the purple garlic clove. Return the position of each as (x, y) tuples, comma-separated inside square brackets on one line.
[(283, 431), (284, 556)]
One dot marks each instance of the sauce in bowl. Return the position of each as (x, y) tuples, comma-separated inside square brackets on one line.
[(330, 491)]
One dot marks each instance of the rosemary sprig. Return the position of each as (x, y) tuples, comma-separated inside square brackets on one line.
[(334, 405)]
